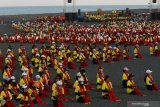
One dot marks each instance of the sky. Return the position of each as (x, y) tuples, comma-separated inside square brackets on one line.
[(78, 2)]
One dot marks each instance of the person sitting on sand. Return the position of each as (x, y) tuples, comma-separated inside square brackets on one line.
[(151, 50), (115, 56), (6, 97), (137, 53), (24, 97), (109, 52), (34, 92), (107, 90), (156, 49), (125, 77), (81, 92), (7, 72), (132, 88), (100, 78), (150, 85), (14, 87), (24, 80), (57, 95), (126, 53)]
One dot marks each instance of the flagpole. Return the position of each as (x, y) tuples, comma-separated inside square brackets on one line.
[(150, 6), (64, 6), (74, 6), (158, 5)]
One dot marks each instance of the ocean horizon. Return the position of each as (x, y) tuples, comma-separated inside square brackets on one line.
[(59, 9)]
